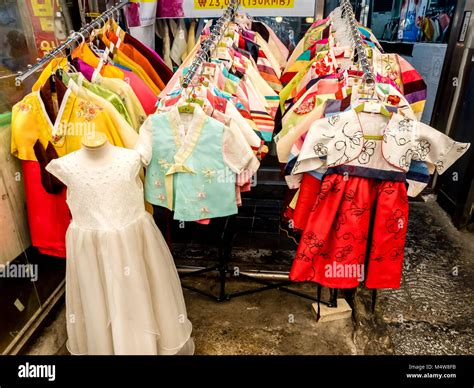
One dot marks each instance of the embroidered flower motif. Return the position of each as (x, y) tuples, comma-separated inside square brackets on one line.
[(368, 150), (204, 211), (24, 106), (422, 148), (201, 195), (405, 160), (341, 220), (358, 211), (312, 244), (404, 125), (321, 67), (396, 223), (393, 100), (87, 110), (56, 138), (60, 133), (161, 197), (306, 106), (164, 165), (209, 174), (158, 183), (356, 138), (349, 195), (342, 252), (302, 257), (320, 150)]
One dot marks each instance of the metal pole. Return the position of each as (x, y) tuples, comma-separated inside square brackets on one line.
[(369, 76), (215, 36)]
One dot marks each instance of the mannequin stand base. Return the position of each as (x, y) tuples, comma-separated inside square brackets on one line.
[(328, 314)]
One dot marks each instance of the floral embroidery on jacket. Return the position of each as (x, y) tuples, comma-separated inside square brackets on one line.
[(405, 160), (306, 106), (422, 149), (161, 197), (209, 173), (367, 152), (164, 165), (24, 106), (320, 150), (87, 110), (350, 142)]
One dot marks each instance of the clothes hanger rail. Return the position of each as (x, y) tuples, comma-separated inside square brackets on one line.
[(72, 39)]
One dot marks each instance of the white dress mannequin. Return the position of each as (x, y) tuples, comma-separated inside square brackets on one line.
[(123, 293), (96, 151)]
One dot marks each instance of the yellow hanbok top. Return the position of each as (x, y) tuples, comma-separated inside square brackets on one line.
[(75, 118)]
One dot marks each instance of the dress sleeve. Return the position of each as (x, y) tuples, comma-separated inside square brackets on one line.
[(144, 144), (237, 120), (236, 151), (436, 148), (56, 168), (315, 147)]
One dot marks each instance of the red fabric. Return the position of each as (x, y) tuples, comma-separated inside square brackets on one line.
[(48, 214), (309, 189), (339, 237), (287, 211)]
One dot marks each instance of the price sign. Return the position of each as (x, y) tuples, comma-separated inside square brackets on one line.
[(214, 8)]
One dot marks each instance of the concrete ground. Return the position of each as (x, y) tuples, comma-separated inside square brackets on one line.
[(430, 314)]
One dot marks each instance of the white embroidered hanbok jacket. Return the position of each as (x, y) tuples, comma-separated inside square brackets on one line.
[(375, 146)]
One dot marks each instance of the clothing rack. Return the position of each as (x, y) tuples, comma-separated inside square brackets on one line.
[(229, 223), (211, 42), (76, 36), (369, 76)]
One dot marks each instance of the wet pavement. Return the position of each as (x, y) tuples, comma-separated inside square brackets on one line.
[(431, 313)]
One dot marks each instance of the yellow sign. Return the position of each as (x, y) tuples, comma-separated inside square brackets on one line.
[(216, 4)]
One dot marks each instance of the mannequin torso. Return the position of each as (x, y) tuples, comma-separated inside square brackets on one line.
[(96, 157)]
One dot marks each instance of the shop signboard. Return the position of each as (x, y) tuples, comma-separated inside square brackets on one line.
[(213, 8), (144, 11), (48, 30)]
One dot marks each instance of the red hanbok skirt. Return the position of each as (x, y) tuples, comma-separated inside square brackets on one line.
[(355, 232), (48, 214), (309, 190)]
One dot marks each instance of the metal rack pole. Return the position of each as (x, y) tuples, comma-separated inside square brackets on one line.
[(211, 42), (369, 76), (76, 36)]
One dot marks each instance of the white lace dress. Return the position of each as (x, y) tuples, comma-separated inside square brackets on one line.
[(123, 293)]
